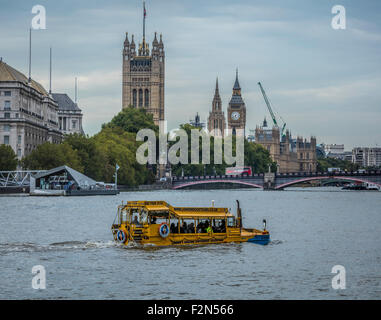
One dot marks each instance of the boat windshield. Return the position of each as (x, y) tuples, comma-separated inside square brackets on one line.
[(231, 222)]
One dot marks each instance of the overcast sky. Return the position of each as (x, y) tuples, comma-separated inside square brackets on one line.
[(323, 82)]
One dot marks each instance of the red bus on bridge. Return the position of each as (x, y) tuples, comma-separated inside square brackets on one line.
[(237, 171)]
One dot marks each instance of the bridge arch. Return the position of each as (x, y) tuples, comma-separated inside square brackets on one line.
[(193, 183), (305, 179)]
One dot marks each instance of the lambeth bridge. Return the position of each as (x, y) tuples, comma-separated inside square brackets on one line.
[(276, 181)]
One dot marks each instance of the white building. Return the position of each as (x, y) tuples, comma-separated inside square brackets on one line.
[(28, 115), (333, 148), (367, 157)]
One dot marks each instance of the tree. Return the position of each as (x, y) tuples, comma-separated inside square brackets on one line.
[(258, 157), (132, 120), (91, 157), (8, 159), (119, 147), (324, 164), (47, 156)]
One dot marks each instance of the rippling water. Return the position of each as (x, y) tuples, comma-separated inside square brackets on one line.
[(311, 229)]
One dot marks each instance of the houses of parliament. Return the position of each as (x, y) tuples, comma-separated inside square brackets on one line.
[(143, 87)]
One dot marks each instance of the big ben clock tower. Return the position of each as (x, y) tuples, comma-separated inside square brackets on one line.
[(236, 110)]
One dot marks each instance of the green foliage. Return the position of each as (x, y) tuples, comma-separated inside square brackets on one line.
[(97, 156), (255, 155), (324, 164), (8, 159), (258, 158), (132, 120), (47, 156), (119, 147), (91, 157)]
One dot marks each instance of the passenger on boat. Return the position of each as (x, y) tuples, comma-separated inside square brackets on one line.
[(191, 228), (207, 227), (222, 226), (184, 228), (173, 228), (153, 220)]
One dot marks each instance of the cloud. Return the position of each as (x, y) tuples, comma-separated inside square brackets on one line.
[(319, 79)]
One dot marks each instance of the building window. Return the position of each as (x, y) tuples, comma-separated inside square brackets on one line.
[(7, 93), (74, 124), (7, 115), (7, 127), (134, 97), (19, 139), (146, 98), (6, 139), (16, 115), (7, 105), (140, 97), (19, 152)]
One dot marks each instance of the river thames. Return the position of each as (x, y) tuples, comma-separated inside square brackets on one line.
[(312, 230)]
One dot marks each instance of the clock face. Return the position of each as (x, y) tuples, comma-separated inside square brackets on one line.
[(235, 115)]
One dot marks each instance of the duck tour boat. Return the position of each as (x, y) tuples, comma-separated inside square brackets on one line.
[(158, 223)]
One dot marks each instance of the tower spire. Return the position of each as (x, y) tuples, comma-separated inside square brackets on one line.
[(76, 91), (50, 72), (144, 22), (236, 88), (30, 55)]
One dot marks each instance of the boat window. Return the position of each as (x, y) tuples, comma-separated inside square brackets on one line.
[(174, 227), (219, 225), (135, 216), (187, 226), (231, 222), (158, 217), (143, 216), (202, 226), (124, 216)]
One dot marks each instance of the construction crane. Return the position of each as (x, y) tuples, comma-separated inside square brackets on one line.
[(271, 110)]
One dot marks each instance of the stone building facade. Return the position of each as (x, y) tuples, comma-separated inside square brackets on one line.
[(143, 76), (216, 119), (28, 114), (69, 114), (291, 155), (236, 110)]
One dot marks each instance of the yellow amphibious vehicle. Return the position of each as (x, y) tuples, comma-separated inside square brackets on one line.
[(157, 222)]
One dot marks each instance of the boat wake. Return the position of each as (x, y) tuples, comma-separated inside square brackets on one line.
[(6, 248), (275, 242)]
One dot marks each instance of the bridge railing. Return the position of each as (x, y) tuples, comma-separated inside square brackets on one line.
[(18, 178), (289, 174), (214, 177)]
